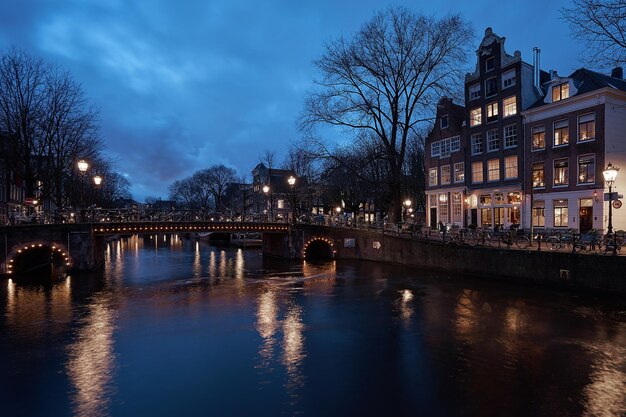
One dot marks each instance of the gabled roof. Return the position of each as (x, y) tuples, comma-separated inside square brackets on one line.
[(584, 81), (587, 80)]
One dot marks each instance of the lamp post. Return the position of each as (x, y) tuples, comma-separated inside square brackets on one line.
[(407, 205), (97, 180), (292, 182), (83, 166), (266, 191), (610, 173)]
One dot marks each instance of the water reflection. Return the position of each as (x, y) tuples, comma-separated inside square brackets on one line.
[(91, 361), (605, 395), (267, 324)]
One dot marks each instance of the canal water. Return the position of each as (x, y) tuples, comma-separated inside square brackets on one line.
[(175, 327)]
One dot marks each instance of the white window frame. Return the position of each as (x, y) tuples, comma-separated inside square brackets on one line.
[(474, 91), (460, 165), (476, 121), (508, 136), (433, 180), (490, 169), (510, 77), (444, 117), (493, 132), (455, 144), (447, 174), (554, 184), (476, 141), (508, 169), (578, 169), (509, 109), (435, 149), (474, 172), (585, 118)]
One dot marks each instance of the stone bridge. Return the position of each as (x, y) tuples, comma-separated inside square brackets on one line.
[(81, 246)]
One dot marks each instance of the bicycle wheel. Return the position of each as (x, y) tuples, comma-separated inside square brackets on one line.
[(553, 243), (471, 239), (522, 242), (495, 241), (446, 238)]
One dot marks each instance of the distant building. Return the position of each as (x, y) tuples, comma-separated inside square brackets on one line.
[(276, 203)]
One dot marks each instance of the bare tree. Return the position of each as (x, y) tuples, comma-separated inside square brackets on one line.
[(601, 25), (22, 96), (387, 80), (67, 131), (220, 177)]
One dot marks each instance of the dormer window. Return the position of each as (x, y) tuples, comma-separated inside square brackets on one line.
[(444, 121), (490, 64), (560, 92)]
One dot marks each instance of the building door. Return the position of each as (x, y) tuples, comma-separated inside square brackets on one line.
[(474, 217), (433, 218), (586, 219)]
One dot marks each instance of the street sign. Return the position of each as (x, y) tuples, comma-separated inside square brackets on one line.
[(617, 204), (614, 196)]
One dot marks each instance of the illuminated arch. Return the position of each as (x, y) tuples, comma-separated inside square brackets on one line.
[(319, 244), (58, 253)]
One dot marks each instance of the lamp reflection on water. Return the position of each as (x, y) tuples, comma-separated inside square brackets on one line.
[(604, 395), (91, 361), (267, 324), (293, 347)]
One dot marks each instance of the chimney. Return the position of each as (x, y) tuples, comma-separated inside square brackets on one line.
[(617, 72), (536, 68)]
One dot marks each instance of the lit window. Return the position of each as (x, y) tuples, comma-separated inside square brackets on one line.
[(432, 177), (443, 208), (444, 121), (477, 143), (539, 175), (485, 217), (477, 172), (539, 216), (561, 133), (485, 199), (539, 137), (459, 172), (560, 92), (490, 64), (445, 174), (491, 86), (561, 172), (280, 204), (476, 116), (510, 106), (560, 213), (514, 198), (457, 208), (508, 79), (510, 136), (493, 140), (474, 91), (493, 170), (492, 112), (510, 167), (587, 127), (587, 169)]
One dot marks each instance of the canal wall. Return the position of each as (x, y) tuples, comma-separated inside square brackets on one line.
[(602, 273)]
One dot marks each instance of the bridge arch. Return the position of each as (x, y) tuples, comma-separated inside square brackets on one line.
[(318, 247), (38, 258)]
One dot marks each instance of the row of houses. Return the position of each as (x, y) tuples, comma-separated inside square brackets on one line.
[(528, 147)]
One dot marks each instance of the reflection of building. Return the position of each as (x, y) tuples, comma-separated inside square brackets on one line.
[(571, 135), (277, 200)]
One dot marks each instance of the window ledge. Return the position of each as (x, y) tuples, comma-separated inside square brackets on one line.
[(538, 150), (561, 146), (586, 141), (585, 183)]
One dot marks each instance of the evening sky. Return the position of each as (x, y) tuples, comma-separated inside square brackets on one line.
[(185, 84)]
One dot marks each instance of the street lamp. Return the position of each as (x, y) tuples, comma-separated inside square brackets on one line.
[(610, 173), (266, 191), (292, 182), (97, 180), (83, 166), (407, 204)]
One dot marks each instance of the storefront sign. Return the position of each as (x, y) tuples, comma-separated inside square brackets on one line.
[(617, 204)]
